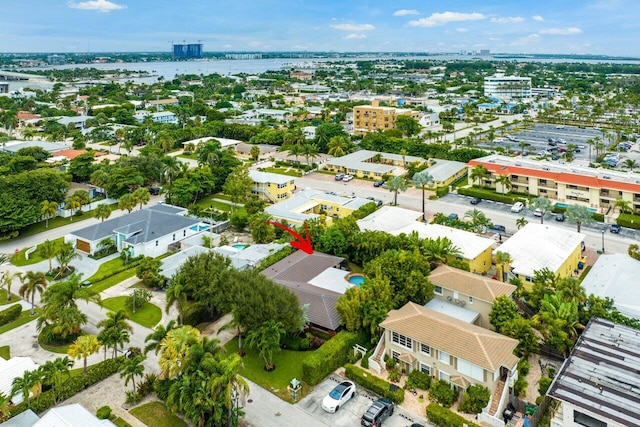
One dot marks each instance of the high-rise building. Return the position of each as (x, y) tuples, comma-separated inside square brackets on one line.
[(506, 88), (56, 59), (369, 118), (187, 51)]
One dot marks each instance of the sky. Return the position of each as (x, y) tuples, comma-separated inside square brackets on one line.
[(600, 27)]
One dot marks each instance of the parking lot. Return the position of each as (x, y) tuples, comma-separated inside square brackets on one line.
[(350, 413)]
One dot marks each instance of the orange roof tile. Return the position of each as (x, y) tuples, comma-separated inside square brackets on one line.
[(70, 153)]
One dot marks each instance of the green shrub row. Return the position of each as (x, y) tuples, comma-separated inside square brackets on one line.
[(296, 343), (10, 314), (373, 383), (629, 221), (482, 193), (443, 417), (132, 263), (598, 217), (330, 356)]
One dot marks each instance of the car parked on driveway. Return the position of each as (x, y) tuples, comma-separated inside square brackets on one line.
[(338, 396), (377, 413)]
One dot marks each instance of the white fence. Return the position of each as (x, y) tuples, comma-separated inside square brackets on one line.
[(66, 213)]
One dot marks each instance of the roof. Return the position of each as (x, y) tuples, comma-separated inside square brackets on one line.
[(601, 374), (361, 160), (70, 153), (268, 177), (388, 219), (24, 419), (453, 310), (477, 345), (14, 146), (605, 277), (251, 256), (479, 287), (74, 415), (173, 262), (224, 142), (14, 368), (525, 246), (141, 226), (445, 169)]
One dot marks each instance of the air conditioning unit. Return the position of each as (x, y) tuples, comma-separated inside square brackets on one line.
[(449, 298), (457, 301), (463, 303)]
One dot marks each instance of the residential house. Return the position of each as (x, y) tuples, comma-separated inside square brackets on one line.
[(225, 143), (160, 104), (74, 415), (538, 246), (597, 386), (371, 164), (317, 281), (14, 146), (243, 150), (445, 172), (12, 369), (370, 118), (272, 186), (448, 349), (152, 231), (156, 117)]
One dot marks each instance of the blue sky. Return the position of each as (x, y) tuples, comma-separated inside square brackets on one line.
[(609, 27)]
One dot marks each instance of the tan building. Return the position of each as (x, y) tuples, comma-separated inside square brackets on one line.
[(369, 118), (567, 184)]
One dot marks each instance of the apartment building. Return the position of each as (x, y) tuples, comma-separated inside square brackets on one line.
[(271, 186), (506, 88), (598, 189), (369, 118)]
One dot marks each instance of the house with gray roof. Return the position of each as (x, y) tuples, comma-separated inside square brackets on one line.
[(152, 231), (371, 164), (317, 281)]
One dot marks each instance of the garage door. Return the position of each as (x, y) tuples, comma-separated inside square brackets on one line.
[(83, 246)]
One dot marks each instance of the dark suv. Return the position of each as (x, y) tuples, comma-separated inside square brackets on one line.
[(377, 413)]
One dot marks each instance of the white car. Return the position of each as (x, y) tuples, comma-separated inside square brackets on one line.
[(347, 178), (538, 212), (517, 207), (338, 396)]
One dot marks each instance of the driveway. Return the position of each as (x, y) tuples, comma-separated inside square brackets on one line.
[(350, 413)]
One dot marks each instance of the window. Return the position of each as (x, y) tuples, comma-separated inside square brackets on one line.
[(444, 376), (424, 348), (444, 357), (425, 368), (437, 290), (401, 340), (184, 233), (470, 299), (586, 420), (395, 356), (456, 295)]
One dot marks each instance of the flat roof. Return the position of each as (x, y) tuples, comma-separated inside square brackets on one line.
[(359, 160), (388, 219), (445, 169), (52, 147), (452, 310), (268, 177), (332, 279)]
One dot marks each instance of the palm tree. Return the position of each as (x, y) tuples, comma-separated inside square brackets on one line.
[(132, 368), (72, 203), (48, 209), (24, 384), (505, 182), (229, 383), (521, 222), (5, 405), (543, 204), (339, 146), (438, 250), (53, 371), (102, 212), (623, 206), (395, 184), (141, 195), (422, 180), (33, 281), (7, 281), (158, 335), (295, 150), (579, 215), (503, 260), (478, 219), (127, 202), (48, 249), (174, 348), (116, 329), (267, 340), (83, 347), (176, 294), (630, 164), (479, 174), (65, 255), (309, 151)]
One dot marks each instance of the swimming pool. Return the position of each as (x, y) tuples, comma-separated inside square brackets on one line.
[(200, 227), (356, 279), (565, 206), (239, 246)]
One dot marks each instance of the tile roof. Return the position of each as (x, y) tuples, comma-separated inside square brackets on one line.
[(479, 287), (477, 345)]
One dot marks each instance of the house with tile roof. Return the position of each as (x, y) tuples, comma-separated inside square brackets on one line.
[(448, 349), (317, 280), (598, 385), (472, 292), (152, 231)]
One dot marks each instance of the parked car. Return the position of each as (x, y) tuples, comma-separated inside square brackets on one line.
[(338, 396), (498, 228), (615, 228), (347, 178), (560, 217), (377, 413), (538, 212), (475, 200), (339, 177), (453, 216), (379, 183), (560, 127), (517, 207), (374, 200)]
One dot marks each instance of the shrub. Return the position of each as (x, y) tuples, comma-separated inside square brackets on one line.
[(443, 417), (483, 193), (543, 385), (474, 399), (239, 219), (520, 386), (629, 220), (161, 387), (442, 392), (375, 384), (195, 314), (523, 367), (132, 397), (296, 343), (418, 379), (10, 314), (147, 385), (104, 413), (142, 296), (365, 359), (331, 355), (598, 217)]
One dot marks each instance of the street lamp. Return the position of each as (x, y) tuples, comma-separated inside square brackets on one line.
[(603, 230)]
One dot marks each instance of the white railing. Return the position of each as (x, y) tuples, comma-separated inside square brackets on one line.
[(373, 364), (30, 251), (66, 213), (485, 418)]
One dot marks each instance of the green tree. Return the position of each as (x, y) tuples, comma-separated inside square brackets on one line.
[(407, 125), (521, 222), (309, 151), (266, 339), (478, 219), (505, 182), (543, 204), (422, 180), (521, 330), (624, 206), (116, 329), (254, 152), (395, 184), (141, 196), (156, 337), (261, 231), (24, 384), (48, 249), (127, 202), (48, 210), (503, 262), (174, 348), (132, 368), (5, 408), (7, 281), (439, 250), (64, 256), (176, 295), (54, 371), (229, 383), (33, 282), (503, 310), (102, 212), (73, 204), (578, 215), (83, 347), (479, 174), (339, 145), (238, 185)]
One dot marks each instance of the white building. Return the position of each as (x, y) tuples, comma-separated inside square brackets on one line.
[(506, 88), (12, 369)]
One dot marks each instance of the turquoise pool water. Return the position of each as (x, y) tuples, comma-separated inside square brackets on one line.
[(356, 279), (200, 227), (239, 246), (565, 206)]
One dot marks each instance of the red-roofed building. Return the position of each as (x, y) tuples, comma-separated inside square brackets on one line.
[(564, 183)]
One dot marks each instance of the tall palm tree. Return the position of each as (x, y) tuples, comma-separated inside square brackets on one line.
[(127, 202), (132, 368), (65, 255), (7, 281), (295, 150), (53, 372), (630, 164), (505, 182), (32, 282), (24, 384), (503, 260), (174, 348), (267, 340), (48, 249), (422, 180), (116, 328), (102, 212), (579, 215), (48, 209), (479, 174), (141, 195), (158, 335), (176, 295), (83, 347), (309, 151), (228, 382), (543, 204), (478, 219), (395, 184), (73, 204), (5, 406), (339, 145), (438, 250), (623, 206)]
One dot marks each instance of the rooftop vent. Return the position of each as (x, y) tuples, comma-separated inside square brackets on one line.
[(606, 177), (545, 169), (492, 161), (518, 164)]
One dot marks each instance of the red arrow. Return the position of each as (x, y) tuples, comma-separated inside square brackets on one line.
[(302, 243)]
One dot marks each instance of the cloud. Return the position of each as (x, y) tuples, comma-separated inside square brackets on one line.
[(561, 31), (531, 38), (507, 20), (537, 18), (405, 12), (353, 27), (355, 36), (461, 30), (445, 17), (100, 5)]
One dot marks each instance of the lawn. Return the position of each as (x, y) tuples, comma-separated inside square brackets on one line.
[(105, 284), (5, 352), (119, 422), (25, 317), (156, 414), (283, 171), (3, 298), (288, 366), (20, 260), (148, 315), (107, 269), (210, 201)]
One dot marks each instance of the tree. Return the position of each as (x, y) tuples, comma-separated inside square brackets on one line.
[(505, 182), (438, 251), (132, 368), (48, 250), (53, 372), (520, 329), (295, 150), (141, 196), (176, 295), (127, 202), (478, 219), (479, 174), (229, 383), (116, 329), (339, 145), (73, 204), (7, 281), (266, 339), (32, 282), (579, 215), (422, 180), (407, 125), (83, 347), (395, 184), (624, 206), (261, 231), (174, 348), (149, 272), (254, 152), (5, 405), (238, 185), (309, 151), (503, 310), (64, 256), (24, 384), (503, 261), (521, 222), (543, 204), (102, 212), (156, 337), (630, 164), (48, 209)]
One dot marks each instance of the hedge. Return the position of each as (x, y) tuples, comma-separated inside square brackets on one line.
[(629, 221), (373, 383), (443, 417), (10, 314), (491, 195), (330, 356)]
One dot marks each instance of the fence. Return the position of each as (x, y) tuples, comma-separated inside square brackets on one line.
[(66, 213), (524, 407)]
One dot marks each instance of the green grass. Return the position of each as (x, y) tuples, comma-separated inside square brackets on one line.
[(3, 298), (156, 414), (105, 284), (119, 422), (59, 349), (222, 196), (288, 365), (20, 260), (25, 317), (148, 315), (283, 171), (210, 201), (5, 352), (106, 269)]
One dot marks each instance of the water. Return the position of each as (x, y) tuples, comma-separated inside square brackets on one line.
[(239, 246), (356, 279)]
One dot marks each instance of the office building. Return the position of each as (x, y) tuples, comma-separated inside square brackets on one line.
[(506, 88), (187, 51)]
